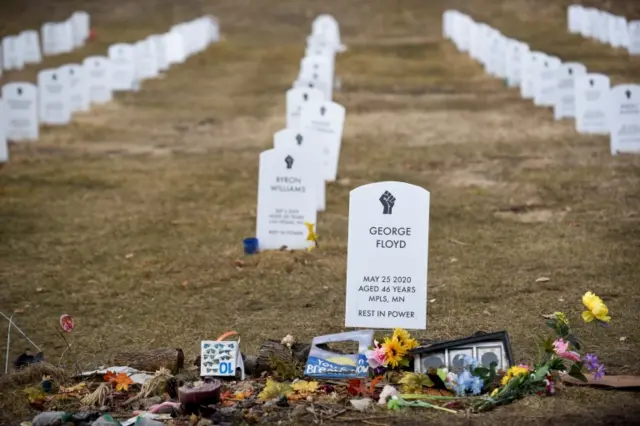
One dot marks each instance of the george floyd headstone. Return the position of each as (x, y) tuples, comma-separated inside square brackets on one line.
[(146, 63), (625, 119), (324, 122), (296, 98), (4, 148), (98, 73), (387, 256), (31, 47), (21, 107), (530, 65), (123, 67), (12, 53), (545, 85), (286, 200), (592, 103), (633, 32), (296, 140), (565, 100), (78, 88), (53, 97)]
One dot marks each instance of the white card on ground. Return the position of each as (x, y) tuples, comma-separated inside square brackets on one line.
[(53, 97), (220, 358), (78, 88), (633, 32), (12, 53), (545, 85), (296, 98), (565, 103), (31, 47), (123, 67), (625, 119), (4, 147), (294, 140), (286, 200), (592, 103), (324, 122), (146, 63), (21, 107), (387, 256), (98, 72)]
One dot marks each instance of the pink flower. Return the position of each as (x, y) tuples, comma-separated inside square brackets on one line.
[(376, 358), (561, 348)]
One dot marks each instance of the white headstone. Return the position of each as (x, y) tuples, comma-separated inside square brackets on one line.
[(53, 97), (586, 22), (574, 16), (497, 56), (516, 52), (634, 37), (175, 45), (545, 85), (592, 103), (4, 148), (296, 98), (12, 53), (81, 27), (146, 63), (160, 51), (529, 69), (78, 88), (286, 200), (387, 257), (21, 107), (98, 72), (323, 122), (66, 31), (326, 26), (622, 31), (123, 67), (31, 47), (50, 39), (625, 119), (565, 102), (294, 140), (318, 69)]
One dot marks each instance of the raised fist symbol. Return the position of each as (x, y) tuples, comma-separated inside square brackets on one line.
[(305, 96), (591, 83), (388, 201), (322, 111), (289, 160), (299, 139), (628, 93)]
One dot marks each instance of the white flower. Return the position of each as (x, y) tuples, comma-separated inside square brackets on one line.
[(288, 340), (387, 391)]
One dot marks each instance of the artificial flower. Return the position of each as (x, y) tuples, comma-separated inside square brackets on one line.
[(561, 318), (376, 358), (599, 372), (387, 392), (593, 364), (476, 385), (470, 362), (393, 350), (596, 309), (311, 236), (451, 381), (405, 339), (515, 371), (562, 350), (288, 340)]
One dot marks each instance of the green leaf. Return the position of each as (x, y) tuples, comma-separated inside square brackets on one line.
[(551, 323), (541, 373), (557, 364), (404, 362), (442, 374), (575, 341), (576, 371), (563, 330)]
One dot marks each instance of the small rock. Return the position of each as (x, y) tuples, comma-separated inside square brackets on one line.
[(204, 422), (623, 338), (543, 279), (50, 418)]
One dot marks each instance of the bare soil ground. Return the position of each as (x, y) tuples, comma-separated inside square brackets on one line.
[(131, 219)]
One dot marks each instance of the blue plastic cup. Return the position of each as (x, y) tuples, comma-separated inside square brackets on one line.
[(250, 245)]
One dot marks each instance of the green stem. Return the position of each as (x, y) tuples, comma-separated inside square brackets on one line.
[(433, 397)]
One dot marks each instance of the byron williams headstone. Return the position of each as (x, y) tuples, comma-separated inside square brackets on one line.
[(286, 200), (387, 256), (625, 119)]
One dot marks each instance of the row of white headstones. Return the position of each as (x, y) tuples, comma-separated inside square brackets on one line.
[(567, 87), (73, 88), (605, 27), (388, 243), (22, 49)]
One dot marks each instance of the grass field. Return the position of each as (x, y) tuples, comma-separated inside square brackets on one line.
[(131, 219)]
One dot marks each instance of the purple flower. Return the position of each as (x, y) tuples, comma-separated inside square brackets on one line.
[(599, 372), (591, 361)]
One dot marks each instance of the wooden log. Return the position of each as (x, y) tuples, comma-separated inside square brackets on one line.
[(273, 348), (151, 360)]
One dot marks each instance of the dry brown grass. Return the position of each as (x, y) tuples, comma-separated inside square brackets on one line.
[(131, 219)]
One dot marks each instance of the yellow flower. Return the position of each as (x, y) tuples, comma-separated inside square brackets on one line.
[(561, 318), (405, 339), (514, 371), (311, 236), (596, 309), (393, 351), (495, 392)]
